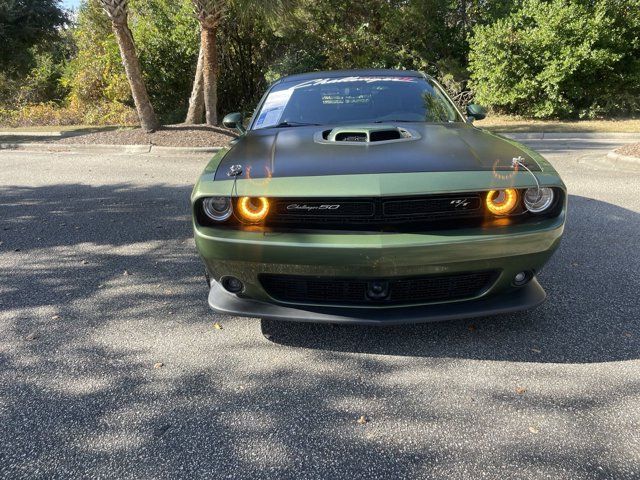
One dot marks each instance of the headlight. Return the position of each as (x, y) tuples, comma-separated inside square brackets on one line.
[(253, 209), (502, 202), (217, 208), (537, 200)]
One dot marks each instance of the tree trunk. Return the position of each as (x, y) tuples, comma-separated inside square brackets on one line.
[(210, 73), (148, 119), (196, 101)]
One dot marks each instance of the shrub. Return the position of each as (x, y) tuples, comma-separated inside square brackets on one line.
[(560, 58), (50, 113)]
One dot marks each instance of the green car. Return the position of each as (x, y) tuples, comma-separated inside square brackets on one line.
[(367, 197)]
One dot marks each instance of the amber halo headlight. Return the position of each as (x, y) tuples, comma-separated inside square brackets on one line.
[(502, 202), (537, 200), (217, 208), (253, 209)]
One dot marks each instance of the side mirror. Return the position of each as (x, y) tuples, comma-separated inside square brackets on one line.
[(475, 112), (234, 120)]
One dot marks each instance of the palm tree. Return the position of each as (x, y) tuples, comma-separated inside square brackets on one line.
[(204, 95), (196, 101), (118, 13), (209, 13)]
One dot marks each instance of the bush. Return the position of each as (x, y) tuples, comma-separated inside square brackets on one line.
[(50, 113), (560, 58), (40, 114)]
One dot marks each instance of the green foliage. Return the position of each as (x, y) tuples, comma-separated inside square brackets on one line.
[(167, 37), (34, 50), (560, 59), (540, 58), (23, 25), (247, 47)]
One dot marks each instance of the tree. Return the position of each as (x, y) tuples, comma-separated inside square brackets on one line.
[(552, 58), (196, 101), (117, 10), (24, 24), (210, 14)]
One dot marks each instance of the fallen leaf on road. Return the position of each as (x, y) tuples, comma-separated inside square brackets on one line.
[(32, 336), (158, 365), (472, 328), (362, 420), (217, 326), (534, 430), (535, 350), (520, 390), (627, 334)]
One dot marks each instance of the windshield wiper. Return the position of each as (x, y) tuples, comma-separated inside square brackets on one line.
[(294, 124)]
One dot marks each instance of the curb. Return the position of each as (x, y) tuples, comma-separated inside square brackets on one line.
[(568, 135), (632, 163), (115, 149), (31, 134)]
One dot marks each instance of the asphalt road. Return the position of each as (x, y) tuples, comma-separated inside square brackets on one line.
[(99, 281)]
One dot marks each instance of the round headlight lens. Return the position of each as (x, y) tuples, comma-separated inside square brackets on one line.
[(537, 200), (253, 209), (217, 208), (502, 202)]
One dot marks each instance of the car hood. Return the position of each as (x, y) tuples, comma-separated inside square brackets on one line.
[(300, 152)]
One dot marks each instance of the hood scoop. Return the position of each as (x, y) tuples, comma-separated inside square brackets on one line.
[(366, 135)]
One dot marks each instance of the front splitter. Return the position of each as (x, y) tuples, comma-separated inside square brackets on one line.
[(523, 298)]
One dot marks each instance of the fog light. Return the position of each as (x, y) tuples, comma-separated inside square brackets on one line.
[(232, 284), (522, 278), (253, 209), (502, 202)]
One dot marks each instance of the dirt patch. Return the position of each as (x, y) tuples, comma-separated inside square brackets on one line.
[(631, 150), (167, 136), (503, 124)]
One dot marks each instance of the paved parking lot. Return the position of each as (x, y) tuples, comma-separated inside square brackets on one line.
[(100, 282)]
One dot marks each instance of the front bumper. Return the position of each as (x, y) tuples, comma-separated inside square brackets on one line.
[(508, 250), (523, 298)]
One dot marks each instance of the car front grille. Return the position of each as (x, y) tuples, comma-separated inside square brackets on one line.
[(375, 213), (396, 291)]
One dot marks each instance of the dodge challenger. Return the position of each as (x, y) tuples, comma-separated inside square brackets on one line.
[(368, 197)]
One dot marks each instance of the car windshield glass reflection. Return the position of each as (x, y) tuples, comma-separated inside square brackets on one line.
[(375, 99)]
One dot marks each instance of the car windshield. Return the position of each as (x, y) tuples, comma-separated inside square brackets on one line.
[(355, 99)]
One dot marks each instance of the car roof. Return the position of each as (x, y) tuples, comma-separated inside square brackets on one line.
[(350, 73)]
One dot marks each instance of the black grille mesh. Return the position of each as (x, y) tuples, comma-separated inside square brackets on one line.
[(342, 291), (375, 212)]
